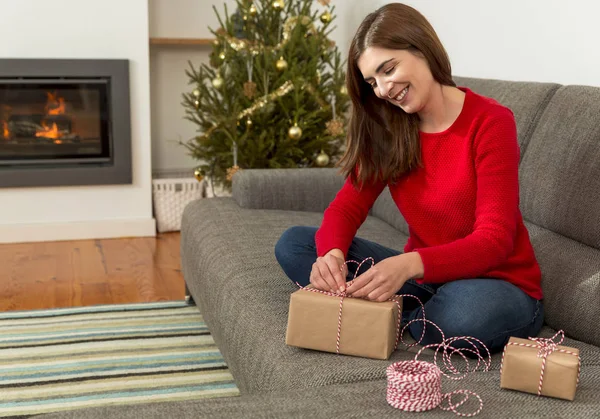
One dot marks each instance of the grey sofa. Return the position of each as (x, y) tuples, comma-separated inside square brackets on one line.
[(230, 269)]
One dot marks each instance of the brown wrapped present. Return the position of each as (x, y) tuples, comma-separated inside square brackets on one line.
[(540, 366), (368, 329)]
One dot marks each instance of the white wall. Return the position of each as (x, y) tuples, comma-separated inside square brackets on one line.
[(191, 19), (531, 40), (83, 29), (176, 19)]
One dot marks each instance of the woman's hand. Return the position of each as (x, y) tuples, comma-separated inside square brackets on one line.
[(329, 272), (384, 280)]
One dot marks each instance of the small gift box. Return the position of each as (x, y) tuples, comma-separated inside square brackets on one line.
[(540, 366), (334, 323)]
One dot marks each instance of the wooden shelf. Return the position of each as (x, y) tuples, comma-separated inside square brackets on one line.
[(180, 41)]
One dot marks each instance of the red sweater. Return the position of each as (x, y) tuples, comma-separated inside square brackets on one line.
[(462, 206)]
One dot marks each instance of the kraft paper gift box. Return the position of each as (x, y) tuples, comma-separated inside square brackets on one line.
[(368, 329), (522, 369)]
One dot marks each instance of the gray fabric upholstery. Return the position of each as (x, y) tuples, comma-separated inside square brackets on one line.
[(527, 100), (287, 189), (363, 400), (571, 283), (231, 270), (560, 172)]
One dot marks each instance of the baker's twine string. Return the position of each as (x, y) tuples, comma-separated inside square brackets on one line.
[(416, 385), (545, 347)]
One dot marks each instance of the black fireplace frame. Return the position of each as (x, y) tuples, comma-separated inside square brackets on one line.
[(118, 169)]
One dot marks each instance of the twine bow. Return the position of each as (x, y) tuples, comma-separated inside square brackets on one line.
[(546, 347)]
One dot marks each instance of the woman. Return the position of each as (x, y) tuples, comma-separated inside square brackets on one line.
[(450, 158)]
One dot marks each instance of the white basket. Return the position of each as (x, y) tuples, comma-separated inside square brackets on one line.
[(170, 197)]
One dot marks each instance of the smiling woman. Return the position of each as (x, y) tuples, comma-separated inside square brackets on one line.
[(450, 158), (395, 56)]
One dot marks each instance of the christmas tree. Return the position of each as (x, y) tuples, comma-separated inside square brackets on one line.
[(274, 94)]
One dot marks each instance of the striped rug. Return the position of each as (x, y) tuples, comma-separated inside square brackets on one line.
[(64, 359)]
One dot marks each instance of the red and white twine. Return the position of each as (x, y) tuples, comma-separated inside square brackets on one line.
[(415, 385), (545, 347)]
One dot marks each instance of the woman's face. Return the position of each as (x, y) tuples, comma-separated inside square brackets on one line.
[(398, 76)]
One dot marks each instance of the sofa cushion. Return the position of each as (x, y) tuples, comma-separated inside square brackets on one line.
[(560, 171), (230, 268), (571, 283), (527, 100)]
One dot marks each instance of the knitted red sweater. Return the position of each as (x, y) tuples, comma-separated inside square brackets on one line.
[(462, 206)]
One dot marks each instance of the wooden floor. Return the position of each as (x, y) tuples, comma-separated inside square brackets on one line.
[(90, 272)]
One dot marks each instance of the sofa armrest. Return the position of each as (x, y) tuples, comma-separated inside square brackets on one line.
[(310, 189)]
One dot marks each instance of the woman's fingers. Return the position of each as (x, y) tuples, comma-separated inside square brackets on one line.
[(317, 281), (336, 270), (363, 284), (326, 275)]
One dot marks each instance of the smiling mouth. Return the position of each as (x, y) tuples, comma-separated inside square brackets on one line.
[(401, 95)]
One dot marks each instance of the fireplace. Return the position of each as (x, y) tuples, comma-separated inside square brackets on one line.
[(64, 122)]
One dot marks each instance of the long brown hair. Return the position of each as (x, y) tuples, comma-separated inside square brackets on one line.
[(383, 141)]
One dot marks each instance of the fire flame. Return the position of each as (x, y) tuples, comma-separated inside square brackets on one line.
[(52, 132), (55, 104), (5, 131)]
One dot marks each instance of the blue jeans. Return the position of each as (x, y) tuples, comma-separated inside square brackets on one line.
[(488, 309)]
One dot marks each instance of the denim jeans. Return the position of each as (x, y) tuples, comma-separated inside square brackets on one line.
[(488, 309)]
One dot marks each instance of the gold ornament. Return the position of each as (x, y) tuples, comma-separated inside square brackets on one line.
[(322, 159), (335, 127), (216, 42), (278, 4), (295, 132), (217, 82), (197, 103), (199, 174), (232, 171), (196, 92), (252, 10), (222, 56), (281, 64), (248, 122), (324, 2), (343, 90), (249, 89), (326, 17)]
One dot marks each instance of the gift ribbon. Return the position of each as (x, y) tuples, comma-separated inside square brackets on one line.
[(545, 347), (416, 385)]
